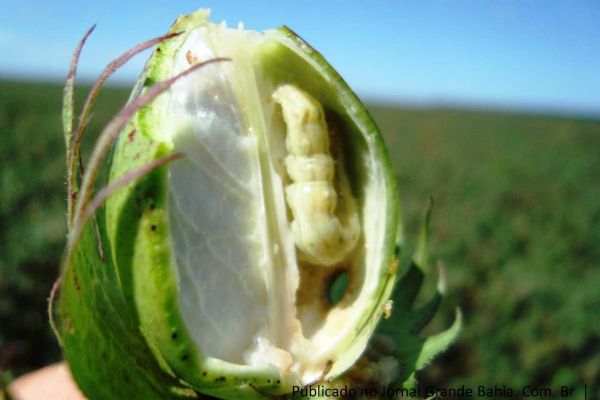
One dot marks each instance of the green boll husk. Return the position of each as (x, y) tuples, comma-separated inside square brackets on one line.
[(207, 264)]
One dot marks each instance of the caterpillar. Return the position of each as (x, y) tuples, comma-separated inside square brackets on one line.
[(324, 233)]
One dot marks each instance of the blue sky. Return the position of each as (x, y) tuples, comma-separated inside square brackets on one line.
[(534, 55)]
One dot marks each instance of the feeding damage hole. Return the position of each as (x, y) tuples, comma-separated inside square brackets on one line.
[(338, 284)]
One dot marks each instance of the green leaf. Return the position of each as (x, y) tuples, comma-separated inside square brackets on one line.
[(422, 316), (436, 344), (407, 289), (405, 323)]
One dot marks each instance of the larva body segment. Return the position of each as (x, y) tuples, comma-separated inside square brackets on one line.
[(323, 232)]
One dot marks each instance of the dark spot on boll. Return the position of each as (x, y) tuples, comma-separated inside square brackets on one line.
[(152, 206), (204, 373), (221, 379), (174, 335), (185, 357), (278, 381), (153, 228), (149, 81)]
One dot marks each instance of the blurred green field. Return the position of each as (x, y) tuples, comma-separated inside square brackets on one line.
[(516, 221)]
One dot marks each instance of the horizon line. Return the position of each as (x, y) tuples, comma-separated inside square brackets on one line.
[(381, 100)]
